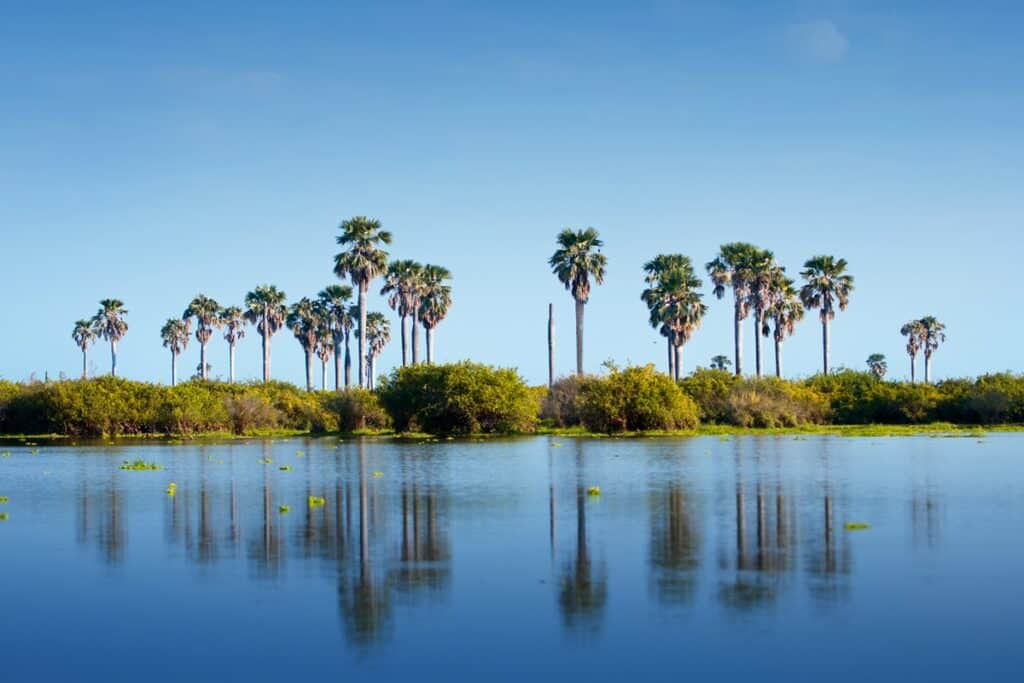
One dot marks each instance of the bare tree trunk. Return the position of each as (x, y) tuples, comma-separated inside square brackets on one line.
[(738, 331), (415, 338), (551, 345), (202, 360), (348, 363), (927, 367), (430, 346), (404, 343), (678, 352), (824, 344), (174, 368), (113, 358), (231, 362), (579, 337), (309, 371), (671, 357), (337, 365), (778, 358), (361, 351), (757, 343)]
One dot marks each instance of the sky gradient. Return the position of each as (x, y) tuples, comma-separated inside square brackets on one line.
[(152, 152)]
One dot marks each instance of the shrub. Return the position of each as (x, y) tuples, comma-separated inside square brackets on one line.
[(710, 390), (634, 399), (559, 404), (771, 402), (358, 409), (458, 398), (247, 412)]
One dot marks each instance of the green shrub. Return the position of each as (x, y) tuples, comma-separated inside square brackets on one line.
[(634, 399), (559, 404), (458, 398), (710, 390), (771, 402), (358, 408)]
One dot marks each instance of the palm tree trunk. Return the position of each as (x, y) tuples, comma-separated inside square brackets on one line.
[(430, 346), (113, 358), (348, 363), (174, 368), (678, 352), (404, 343), (361, 351), (757, 343), (309, 370), (778, 358), (337, 365), (927, 368), (202, 360), (579, 337), (415, 339), (266, 357), (551, 345), (323, 375), (671, 357), (913, 362), (231, 362), (85, 364), (824, 344), (738, 332), (373, 374)]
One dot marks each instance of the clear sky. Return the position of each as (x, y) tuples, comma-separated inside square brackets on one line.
[(151, 151)]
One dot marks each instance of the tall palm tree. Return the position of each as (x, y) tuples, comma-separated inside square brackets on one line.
[(174, 334), (877, 365), (912, 331), (764, 276), (334, 301), (264, 308), (378, 334), (206, 311), (362, 261), (84, 335), (110, 325), (733, 268), (324, 347), (933, 333), (784, 310), (304, 322), (654, 270), (402, 283), (232, 319), (827, 286), (434, 302), (675, 304), (720, 362), (577, 260)]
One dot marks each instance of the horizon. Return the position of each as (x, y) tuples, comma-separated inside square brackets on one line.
[(153, 156)]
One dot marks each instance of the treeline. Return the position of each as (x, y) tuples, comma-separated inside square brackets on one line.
[(469, 398)]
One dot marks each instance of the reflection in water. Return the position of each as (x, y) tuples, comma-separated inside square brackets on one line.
[(828, 556), (583, 587), (675, 544)]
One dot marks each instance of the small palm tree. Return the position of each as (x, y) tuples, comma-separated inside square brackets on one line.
[(334, 303), (304, 321), (378, 334), (110, 325), (577, 260), (878, 365), (933, 333), (435, 301), (264, 308), (362, 261), (402, 285), (827, 286), (84, 335), (764, 278), (733, 267), (720, 362), (674, 303), (174, 334), (324, 347), (232, 319), (654, 270), (784, 310), (913, 332), (206, 311)]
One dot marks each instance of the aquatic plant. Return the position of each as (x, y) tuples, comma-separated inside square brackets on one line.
[(316, 501), (140, 466), (856, 526), (594, 491), (285, 468), (4, 499), (283, 509), (172, 488), (378, 474), (4, 517)]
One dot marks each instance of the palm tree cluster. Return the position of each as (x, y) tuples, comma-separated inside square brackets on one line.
[(674, 303), (108, 324), (924, 334)]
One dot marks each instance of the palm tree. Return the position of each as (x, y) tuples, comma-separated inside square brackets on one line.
[(264, 308), (933, 333), (206, 311), (674, 303), (827, 285), (378, 334), (577, 259), (175, 337), (733, 268), (362, 261), (720, 362), (110, 325), (402, 284), (913, 332), (333, 300), (878, 365), (764, 276), (785, 310), (232, 319), (324, 347), (654, 270), (84, 334), (434, 302), (304, 322)]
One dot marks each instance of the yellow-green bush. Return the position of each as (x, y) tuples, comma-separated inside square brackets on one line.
[(634, 399), (771, 402), (357, 409)]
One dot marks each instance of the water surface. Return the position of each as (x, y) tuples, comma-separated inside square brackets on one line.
[(700, 557)]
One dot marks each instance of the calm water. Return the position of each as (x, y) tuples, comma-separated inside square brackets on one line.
[(701, 557)]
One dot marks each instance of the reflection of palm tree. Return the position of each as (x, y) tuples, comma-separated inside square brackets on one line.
[(828, 563), (675, 544), (584, 591)]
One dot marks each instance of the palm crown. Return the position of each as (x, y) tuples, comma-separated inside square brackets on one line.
[(109, 320), (232, 319), (334, 303), (84, 333), (206, 311), (827, 285), (577, 260), (363, 258), (174, 334), (402, 283), (304, 321), (264, 308), (435, 296)]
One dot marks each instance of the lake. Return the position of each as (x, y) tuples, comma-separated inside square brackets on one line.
[(700, 557)]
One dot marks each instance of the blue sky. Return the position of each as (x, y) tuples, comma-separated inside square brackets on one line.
[(155, 150)]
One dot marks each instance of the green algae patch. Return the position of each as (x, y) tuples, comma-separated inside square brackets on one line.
[(378, 474), (140, 466), (316, 501), (856, 526), (4, 499), (285, 468), (283, 509), (594, 491), (4, 516)]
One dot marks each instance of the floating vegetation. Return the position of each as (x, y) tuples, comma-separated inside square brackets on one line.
[(378, 474), (34, 451), (4, 517), (31, 443), (4, 499), (856, 526), (300, 454), (556, 444), (265, 461), (140, 466), (284, 509), (594, 491), (172, 488), (285, 468), (316, 501), (724, 437), (5, 454)]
